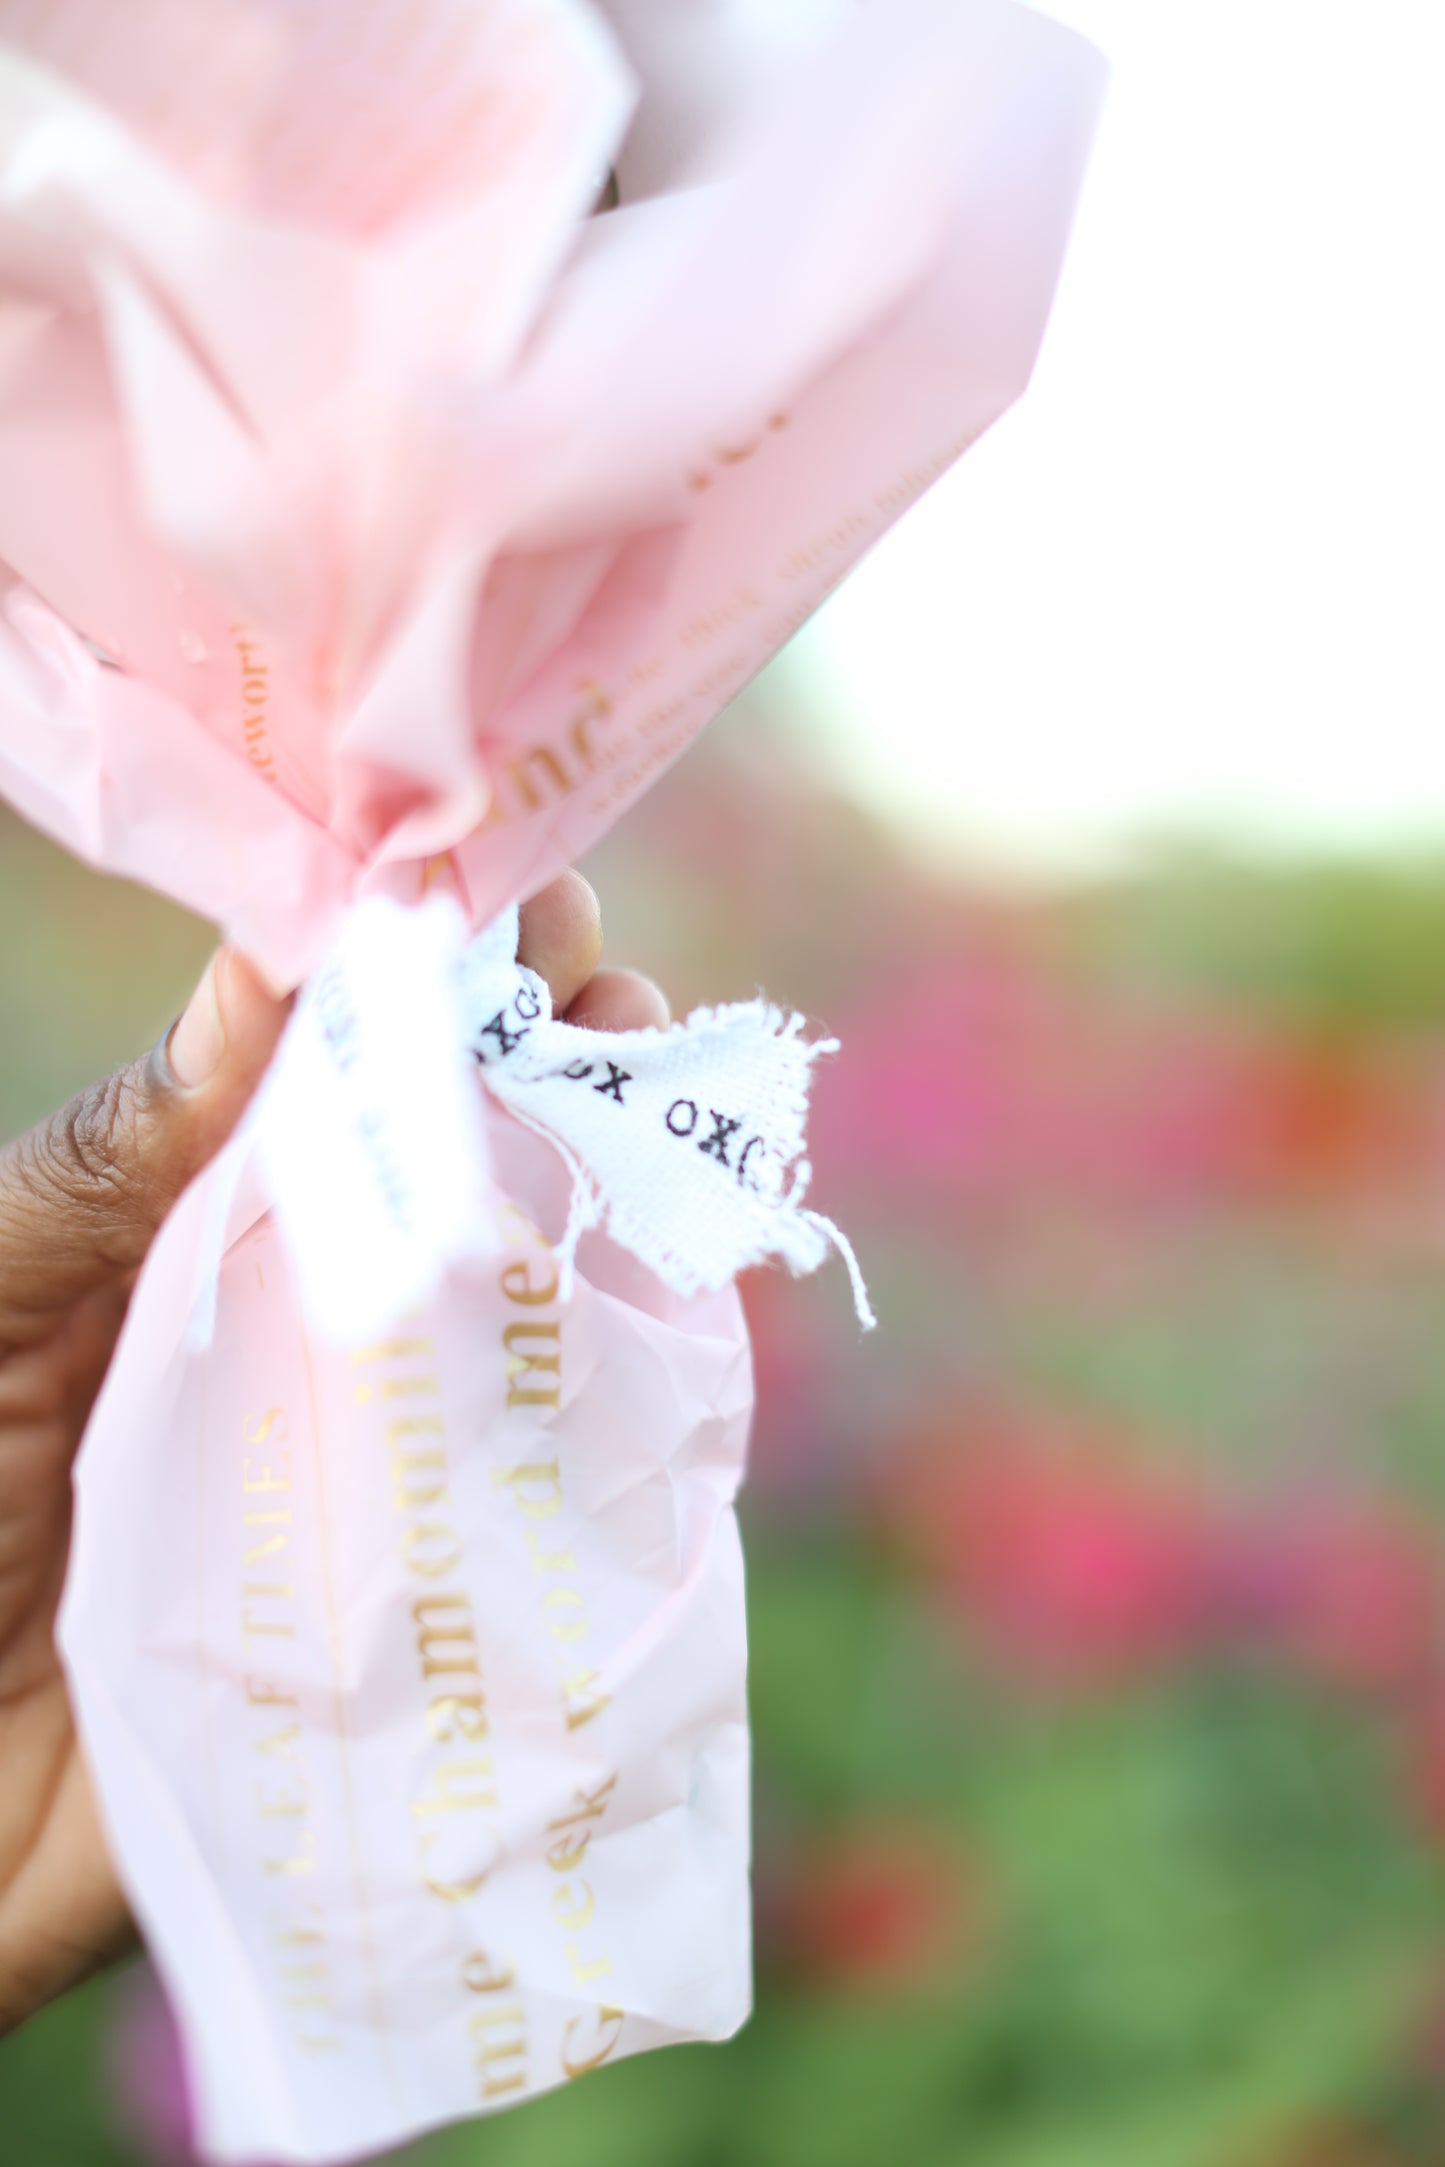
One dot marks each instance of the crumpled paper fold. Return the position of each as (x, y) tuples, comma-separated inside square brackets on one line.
[(418, 509)]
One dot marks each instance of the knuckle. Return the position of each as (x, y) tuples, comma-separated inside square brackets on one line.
[(85, 1143), (87, 1159)]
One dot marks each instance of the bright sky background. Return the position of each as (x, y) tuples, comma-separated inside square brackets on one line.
[(1200, 568)]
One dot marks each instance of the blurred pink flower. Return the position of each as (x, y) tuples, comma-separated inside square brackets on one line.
[(1348, 1587), (1004, 1076), (931, 1092), (1074, 1562)]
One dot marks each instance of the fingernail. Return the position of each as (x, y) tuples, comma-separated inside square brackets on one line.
[(232, 1017), (198, 1040), (596, 899)]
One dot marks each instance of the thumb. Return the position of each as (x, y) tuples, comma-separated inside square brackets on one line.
[(82, 1195)]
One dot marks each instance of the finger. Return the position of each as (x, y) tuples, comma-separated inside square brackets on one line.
[(620, 1001), (82, 1195), (562, 937)]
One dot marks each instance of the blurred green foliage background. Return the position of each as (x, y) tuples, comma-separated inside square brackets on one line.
[(1098, 1676)]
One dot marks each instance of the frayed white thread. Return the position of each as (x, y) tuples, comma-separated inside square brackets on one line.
[(863, 1308)]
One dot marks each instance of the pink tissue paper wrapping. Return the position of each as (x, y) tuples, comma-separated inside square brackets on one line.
[(375, 524)]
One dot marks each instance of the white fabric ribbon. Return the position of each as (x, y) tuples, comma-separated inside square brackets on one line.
[(687, 1144)]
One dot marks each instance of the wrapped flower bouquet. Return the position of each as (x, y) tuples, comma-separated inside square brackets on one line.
[(416, 421)]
